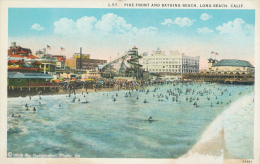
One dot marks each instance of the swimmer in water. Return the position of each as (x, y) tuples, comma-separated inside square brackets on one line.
[(150, 119), (145, 101), (34, 109), (114, 99), (137, 97)]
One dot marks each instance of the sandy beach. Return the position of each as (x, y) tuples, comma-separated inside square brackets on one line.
[(64, 91)]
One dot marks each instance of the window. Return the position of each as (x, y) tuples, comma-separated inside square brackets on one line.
[(18, 80)]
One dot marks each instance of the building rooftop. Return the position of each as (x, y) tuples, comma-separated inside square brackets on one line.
[(32, 57), (16, 56), (19, 75), (21, 52), (233, 62), (15, 61), (36, 62)]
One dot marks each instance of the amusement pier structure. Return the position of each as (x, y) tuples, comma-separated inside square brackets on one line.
[(127, 66)]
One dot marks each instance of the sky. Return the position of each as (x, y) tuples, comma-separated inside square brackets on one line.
[(106, 33)]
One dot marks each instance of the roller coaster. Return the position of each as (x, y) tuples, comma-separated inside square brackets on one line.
[(129, 66)]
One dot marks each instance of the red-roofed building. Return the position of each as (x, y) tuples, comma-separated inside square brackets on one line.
[(19, 53), (22, 52), (18, 50), (31, 57), (15, 63), (37, 64), (60, 63), (24, 69)]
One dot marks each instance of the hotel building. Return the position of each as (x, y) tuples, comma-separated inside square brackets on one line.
[(176, 63)]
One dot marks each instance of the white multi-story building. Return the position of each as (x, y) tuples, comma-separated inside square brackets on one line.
[(176, 62)]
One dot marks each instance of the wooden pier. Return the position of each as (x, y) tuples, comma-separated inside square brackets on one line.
[(32, 89), (221, 78)]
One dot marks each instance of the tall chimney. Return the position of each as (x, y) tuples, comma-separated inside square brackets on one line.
[(80, 58)]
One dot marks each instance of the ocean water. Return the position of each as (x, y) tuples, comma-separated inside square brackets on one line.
[(103, 128)]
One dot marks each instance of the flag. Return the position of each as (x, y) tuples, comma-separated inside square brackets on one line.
[(62, 49), (48, 47)]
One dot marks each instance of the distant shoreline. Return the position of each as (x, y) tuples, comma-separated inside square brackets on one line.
[(63, 91), (77, 91)]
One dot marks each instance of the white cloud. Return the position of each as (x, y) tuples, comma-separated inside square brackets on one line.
[(238, 26), (204, 30), (113, 23), (167, 22), (148, 30), (182, 22), (109, 24), (205, 16), (37, 27), (85, 24), (65, 26)]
